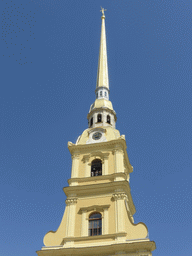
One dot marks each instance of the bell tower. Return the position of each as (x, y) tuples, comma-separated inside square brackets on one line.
[(98, 218)]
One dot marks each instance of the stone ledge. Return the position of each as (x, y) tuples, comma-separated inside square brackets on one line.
[(111, 249)]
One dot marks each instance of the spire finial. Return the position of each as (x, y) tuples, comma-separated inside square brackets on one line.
[(103, 12)]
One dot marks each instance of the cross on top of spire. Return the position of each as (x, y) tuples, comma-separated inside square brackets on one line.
[(103, 10)]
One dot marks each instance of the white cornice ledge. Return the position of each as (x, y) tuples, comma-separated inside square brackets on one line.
[(92, 238), (110, 177), (132, 246)]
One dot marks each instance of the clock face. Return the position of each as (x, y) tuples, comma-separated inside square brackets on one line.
[(97, 135)]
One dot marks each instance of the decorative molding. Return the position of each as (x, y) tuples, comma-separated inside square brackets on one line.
[(122, 137), (70, 144), (71, 201), (110, 177), (106, 155), (110, 247), (99, 154), (117, 150), (75, 156), (118, 196), (86, 158), (96, 129), (99, 208), (88, 238)]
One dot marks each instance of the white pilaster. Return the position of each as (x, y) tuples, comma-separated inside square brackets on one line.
[(84, 224), (105, 169), (105, 221), (87, 166), (118, 160), (119, 211), (75, 166), (71, 205), (67, 223)]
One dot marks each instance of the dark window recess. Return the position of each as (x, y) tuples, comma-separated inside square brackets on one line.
[(96, 168), (108, 119), (100, 93), (95, 224), (91, 122), (105, 94), (99, 118)]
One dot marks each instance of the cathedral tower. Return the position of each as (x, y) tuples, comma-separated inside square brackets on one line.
[(98, 218)]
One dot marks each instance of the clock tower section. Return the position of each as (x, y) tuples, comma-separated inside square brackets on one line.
[(98, 218)]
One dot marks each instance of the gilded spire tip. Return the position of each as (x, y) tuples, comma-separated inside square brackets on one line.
[(103, 12)]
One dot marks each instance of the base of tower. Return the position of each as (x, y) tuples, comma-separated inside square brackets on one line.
[(144, 248)]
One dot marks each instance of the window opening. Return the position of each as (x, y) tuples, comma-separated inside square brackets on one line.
[(108, 119), (99, 118), (100, 93), (105, 94), (91, 122), (95, 224), (96, 168)]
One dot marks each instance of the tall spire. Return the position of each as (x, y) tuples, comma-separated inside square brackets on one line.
[(101, 113), (102, 73)]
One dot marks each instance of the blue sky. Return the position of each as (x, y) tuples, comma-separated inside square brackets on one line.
[(48, 77)]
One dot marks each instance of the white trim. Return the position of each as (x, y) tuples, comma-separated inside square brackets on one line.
[(105, 223), (91, 140)]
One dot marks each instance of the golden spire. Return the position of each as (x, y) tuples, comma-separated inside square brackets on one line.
[(102, 73)]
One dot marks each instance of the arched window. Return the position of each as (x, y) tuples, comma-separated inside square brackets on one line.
[(96, 168), (95, 224), (101, 93), (108, 119), (91, 121), (99, 118)]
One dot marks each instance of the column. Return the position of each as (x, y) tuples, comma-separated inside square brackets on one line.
[(105, 165), (118, 160), (75, 166), (71, 205), (105, 223), (87, 166), (84, 224), (119, 211), (67, 223)]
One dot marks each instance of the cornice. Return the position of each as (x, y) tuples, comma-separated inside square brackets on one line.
[(93, 238), (128, 247), (107, 144), (100, 188), (96, 178)]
